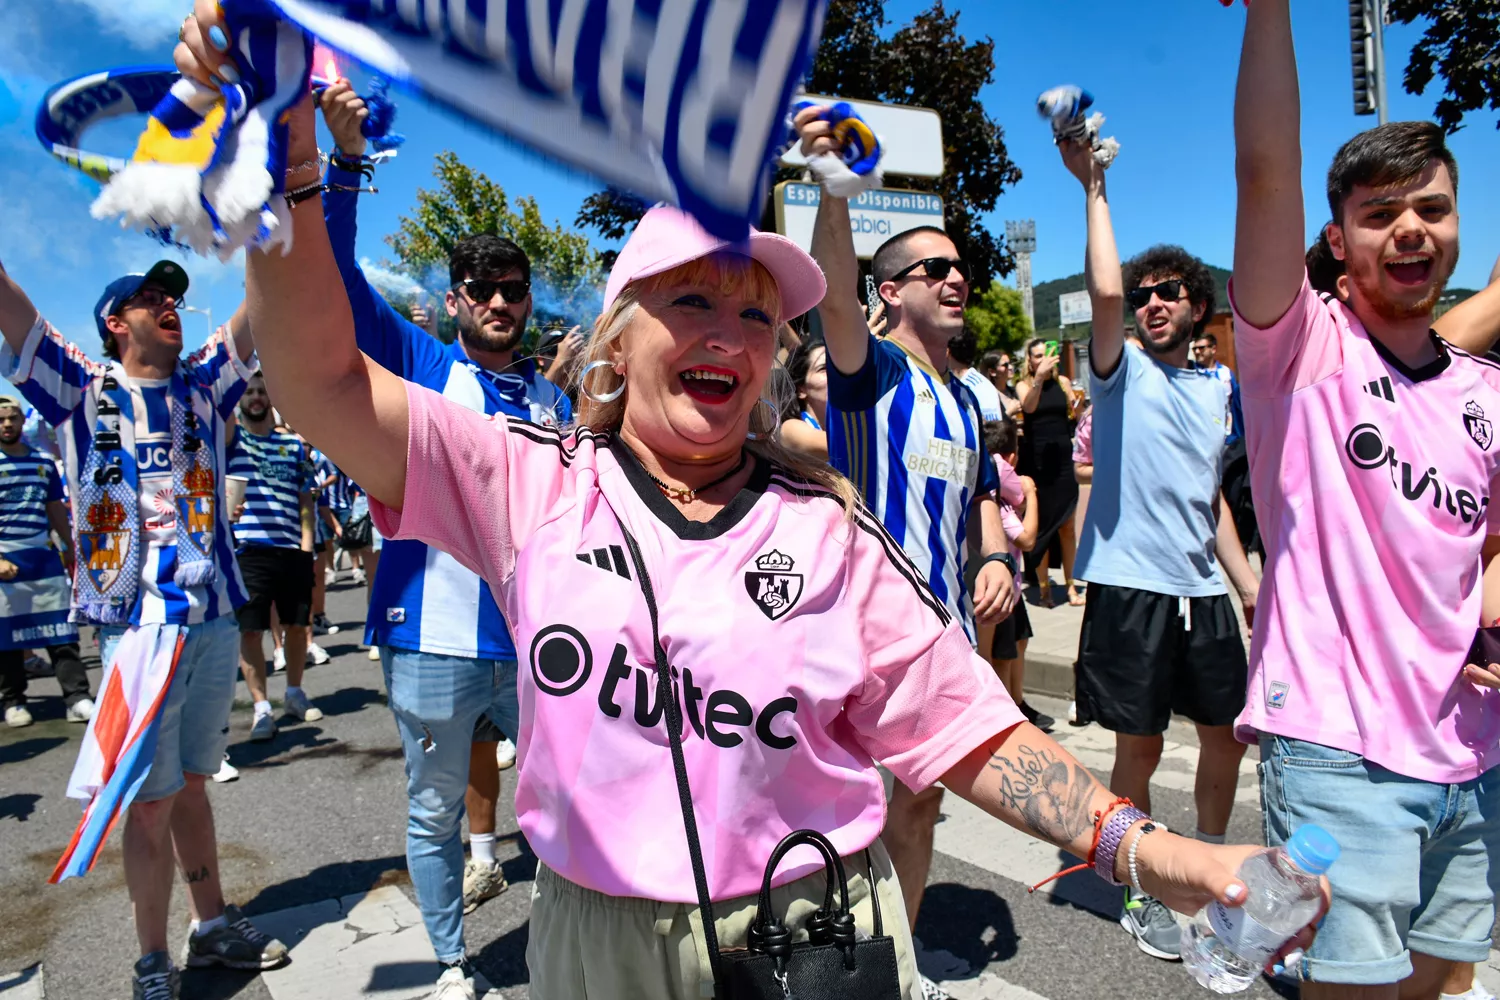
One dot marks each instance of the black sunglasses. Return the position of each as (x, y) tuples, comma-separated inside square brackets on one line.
[(151, 298), (937, 268), (1167, 291), (481, 290)]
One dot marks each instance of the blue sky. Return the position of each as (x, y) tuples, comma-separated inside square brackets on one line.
[(1165, 81)]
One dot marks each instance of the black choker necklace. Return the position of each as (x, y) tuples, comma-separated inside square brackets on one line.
[(689, 495)]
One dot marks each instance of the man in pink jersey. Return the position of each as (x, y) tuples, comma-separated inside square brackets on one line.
[(1373, 461)]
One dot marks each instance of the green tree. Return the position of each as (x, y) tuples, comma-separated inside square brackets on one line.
[(567, 276), (1462, 46), (998, 319), (927, 63)]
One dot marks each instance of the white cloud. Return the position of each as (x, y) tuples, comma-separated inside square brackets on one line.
[(145, 23)]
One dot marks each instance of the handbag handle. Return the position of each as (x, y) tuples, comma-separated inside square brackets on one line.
[(828, 925), (667, 695)]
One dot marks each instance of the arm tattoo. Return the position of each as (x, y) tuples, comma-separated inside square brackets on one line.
[(1049, 794)]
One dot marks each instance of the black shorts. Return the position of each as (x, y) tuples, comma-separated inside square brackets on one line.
[(1011, 632), (1140, 659), (320, 547), (486, 731), (283, 577)]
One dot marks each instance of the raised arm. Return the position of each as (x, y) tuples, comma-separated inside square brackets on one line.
[(1474, 324), (845, 330), (1268, 251), (1101, 267), (17, 314), (355, 412)]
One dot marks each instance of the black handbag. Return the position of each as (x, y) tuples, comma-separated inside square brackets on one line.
[(832, 964), (357, 534)]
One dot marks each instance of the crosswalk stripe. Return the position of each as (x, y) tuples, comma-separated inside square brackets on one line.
[(28, 984), (367, 946), (1095, 749)]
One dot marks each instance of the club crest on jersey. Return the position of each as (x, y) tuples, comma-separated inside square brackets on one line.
[(1478, 425), (772, 585)]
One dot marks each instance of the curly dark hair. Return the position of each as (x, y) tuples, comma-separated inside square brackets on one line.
[(486, 255), (1167, 261)]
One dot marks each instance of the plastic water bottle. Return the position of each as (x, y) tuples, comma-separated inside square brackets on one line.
[(1225, 948)]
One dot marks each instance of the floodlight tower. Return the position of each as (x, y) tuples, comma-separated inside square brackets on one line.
[(1021, 236)]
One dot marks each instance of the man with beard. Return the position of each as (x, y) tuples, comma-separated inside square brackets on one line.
[(34, 588), (450, 663), (272, 491), (1374, 466), (909, 434), (1159, 631), (143, 445)]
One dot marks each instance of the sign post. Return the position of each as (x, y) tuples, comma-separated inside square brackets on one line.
[(1022, 239), (1074, 307), (874, 216)]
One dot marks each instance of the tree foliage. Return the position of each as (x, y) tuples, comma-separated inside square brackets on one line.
[(998, 319), (1462, 46), (567, 275), (926, 63)]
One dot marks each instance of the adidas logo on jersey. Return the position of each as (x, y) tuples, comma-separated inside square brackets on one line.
[(611, 559), (1380, 388)]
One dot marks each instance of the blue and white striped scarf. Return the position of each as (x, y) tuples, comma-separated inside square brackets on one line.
[(209, 171), (673, 100), (107, 510)]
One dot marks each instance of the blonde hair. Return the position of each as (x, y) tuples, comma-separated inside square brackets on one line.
[(731, 275)]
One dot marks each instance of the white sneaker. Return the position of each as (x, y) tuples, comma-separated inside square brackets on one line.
[(505, 754), (81, 710), (330, 577), (278, 659), (226, 771), (374, 652), (317, 655), (17, 716), (1475, 992), (359, 579), (453, 985), (297, 706), (1073, 712)]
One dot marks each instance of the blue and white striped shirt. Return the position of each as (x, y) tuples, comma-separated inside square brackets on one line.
[(910, 439), (55, 376), (421, 598), (277, 471), (27, 484)]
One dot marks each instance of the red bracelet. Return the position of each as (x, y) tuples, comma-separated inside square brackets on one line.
[(1101, 818)]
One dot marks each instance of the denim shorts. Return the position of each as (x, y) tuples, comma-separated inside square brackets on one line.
[(1416, 872), (195, 719)]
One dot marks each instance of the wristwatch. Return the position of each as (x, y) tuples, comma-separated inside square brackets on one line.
[(1005, 559)]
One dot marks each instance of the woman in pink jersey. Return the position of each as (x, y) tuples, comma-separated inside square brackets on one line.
[(804, 647)]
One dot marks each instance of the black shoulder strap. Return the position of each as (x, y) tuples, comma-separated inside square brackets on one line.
[(666, 693)]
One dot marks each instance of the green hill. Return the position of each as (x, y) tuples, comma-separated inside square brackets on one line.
[(1045, 295)]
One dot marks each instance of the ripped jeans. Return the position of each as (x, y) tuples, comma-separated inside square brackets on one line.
[(436, 700)]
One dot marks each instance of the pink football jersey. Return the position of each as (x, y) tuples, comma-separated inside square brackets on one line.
[(804, 644), (1373, 489)]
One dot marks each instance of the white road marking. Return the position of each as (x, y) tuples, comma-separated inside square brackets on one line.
[(24, 985), (368, 946)]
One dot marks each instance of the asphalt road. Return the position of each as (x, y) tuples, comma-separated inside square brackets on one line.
[(319, 813)]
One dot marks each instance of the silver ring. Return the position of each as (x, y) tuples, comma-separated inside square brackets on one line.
[(603, 398)]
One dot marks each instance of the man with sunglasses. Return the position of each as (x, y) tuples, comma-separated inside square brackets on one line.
[(909, 434), (449, 660), (142, 442), (1159, 634)]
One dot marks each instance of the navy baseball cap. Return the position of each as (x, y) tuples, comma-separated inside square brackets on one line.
[(168, 274)]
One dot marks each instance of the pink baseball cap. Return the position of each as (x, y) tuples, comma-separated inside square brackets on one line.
[(666, 237)]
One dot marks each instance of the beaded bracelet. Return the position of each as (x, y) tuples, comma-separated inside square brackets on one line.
[(1135, 876)]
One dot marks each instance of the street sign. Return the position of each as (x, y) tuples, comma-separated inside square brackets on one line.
[(874, 216), (1075, 307), (912, 137)]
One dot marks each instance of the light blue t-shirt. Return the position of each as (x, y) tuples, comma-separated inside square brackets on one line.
[(1158, 456)]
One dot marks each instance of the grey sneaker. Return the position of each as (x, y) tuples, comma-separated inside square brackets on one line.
[(1152, 924), (237, 945), (156, 978), (298, 707), (263, 728), (482, 882)]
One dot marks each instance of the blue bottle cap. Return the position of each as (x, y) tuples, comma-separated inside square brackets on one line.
[(1312, 849)]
